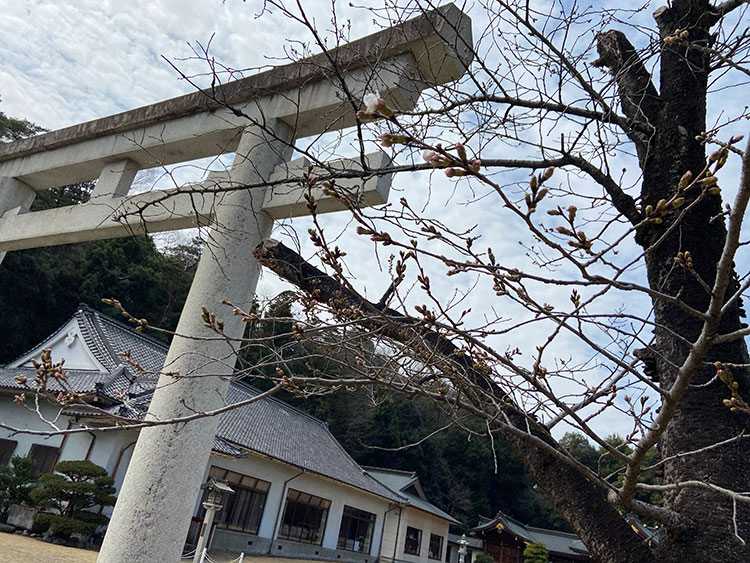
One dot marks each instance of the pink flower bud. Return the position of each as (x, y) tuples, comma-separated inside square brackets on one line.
[(386, 140), (430, 156)]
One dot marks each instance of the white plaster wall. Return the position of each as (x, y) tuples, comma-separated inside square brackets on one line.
[(395, 535), (105, 451), (108, 447), (18, 416), (283, 477)]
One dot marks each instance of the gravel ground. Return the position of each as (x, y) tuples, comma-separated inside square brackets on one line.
[(22, 549)]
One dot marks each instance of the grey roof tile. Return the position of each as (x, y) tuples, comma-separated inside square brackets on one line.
[(108, 339), (272, 428), (79, 381)]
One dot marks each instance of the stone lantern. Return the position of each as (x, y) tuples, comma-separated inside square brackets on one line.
[(462, 550), (215, 489)]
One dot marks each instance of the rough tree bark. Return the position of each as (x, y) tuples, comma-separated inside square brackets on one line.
[(676, 116)]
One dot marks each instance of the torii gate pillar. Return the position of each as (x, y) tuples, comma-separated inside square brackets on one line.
[(177, 453)]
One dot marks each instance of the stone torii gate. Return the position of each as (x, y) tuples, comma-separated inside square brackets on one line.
[(305, 98)]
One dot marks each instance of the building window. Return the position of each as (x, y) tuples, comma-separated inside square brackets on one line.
[(413, 541), (242, 510), (7, 447), (436, 547), (448, 554), (44, 457), (356, 530), (304, 517)]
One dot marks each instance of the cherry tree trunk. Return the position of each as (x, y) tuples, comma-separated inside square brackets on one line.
[(701, 418)]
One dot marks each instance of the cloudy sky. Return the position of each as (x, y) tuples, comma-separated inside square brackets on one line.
[(66, 62), (71, 61)]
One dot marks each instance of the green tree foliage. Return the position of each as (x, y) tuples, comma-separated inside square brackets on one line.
[(16, 482), (581, 449), (46, 284), (535, 553), (465, 475), (483, 558), (70, 491), (12, 129)]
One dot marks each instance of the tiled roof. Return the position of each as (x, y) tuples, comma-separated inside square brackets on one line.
[(108, 339), (268, 427), (113, 385), (79, 381), (221, 446), (394, 479), (555, 542), (400, 481), (272, 428)]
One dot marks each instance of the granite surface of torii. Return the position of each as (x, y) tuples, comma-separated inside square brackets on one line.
[(256, 118)]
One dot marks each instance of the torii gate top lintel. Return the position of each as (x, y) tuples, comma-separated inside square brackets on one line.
[(439, 42)]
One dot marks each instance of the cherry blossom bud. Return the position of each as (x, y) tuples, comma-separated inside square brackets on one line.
[(431, 156), (388, 139), (375, 104), (371, 102), (365, 116), (685, 180), (461, 151)]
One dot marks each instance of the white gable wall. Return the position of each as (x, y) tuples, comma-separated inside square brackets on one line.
[(67, 343)]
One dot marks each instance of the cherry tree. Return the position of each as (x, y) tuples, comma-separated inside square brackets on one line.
[(597, 140)]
